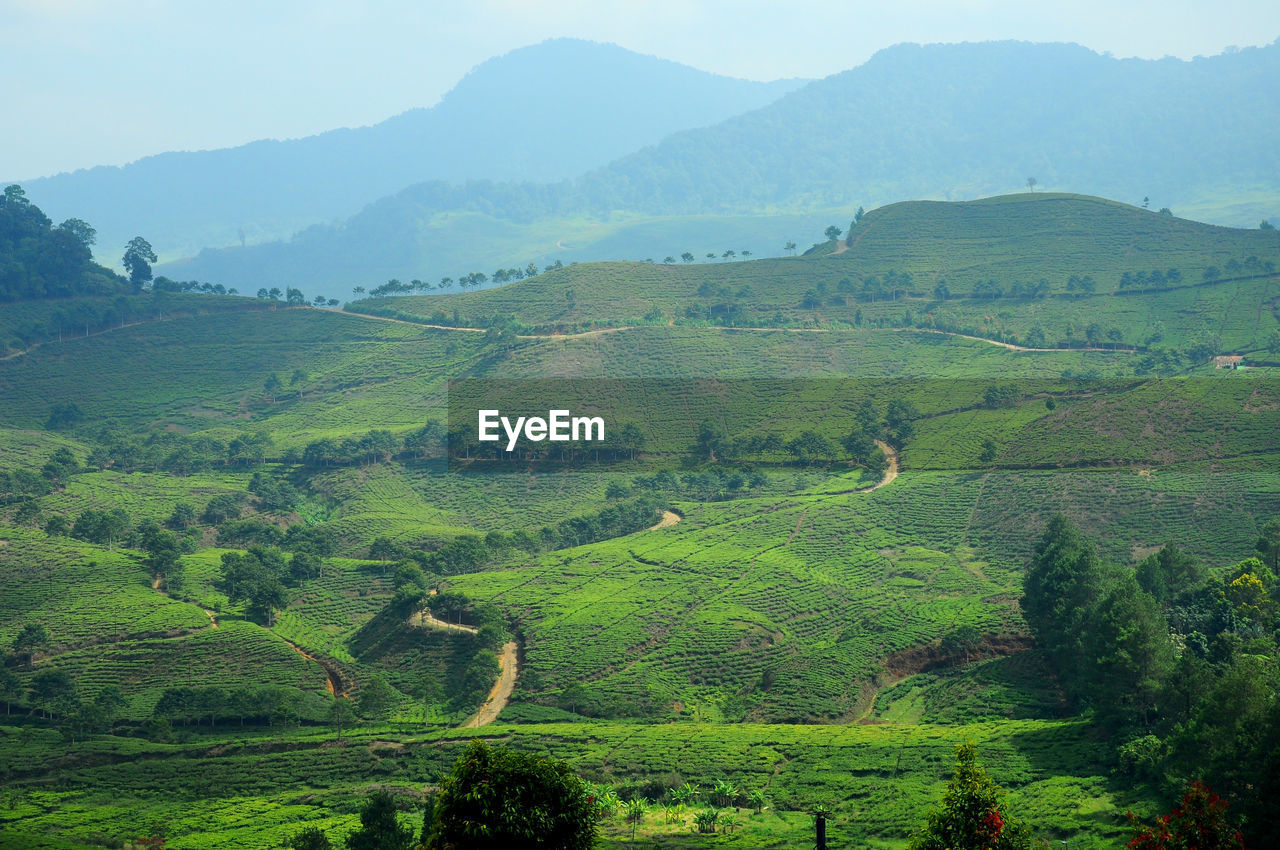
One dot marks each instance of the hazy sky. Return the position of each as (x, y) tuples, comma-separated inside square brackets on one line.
[(90, 82)]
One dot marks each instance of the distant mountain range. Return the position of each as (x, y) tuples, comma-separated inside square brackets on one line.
[(540, 113), (941, 121)]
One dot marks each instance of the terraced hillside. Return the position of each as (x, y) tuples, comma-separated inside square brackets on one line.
[(238, 568)]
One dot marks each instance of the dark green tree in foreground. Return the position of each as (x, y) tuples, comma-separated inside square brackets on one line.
[(972, 816), (380, 828), (137, 261), (311, 838), (499, 798)]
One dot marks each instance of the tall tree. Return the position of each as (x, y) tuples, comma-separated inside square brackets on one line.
[(81, 230), (137, 260), (973, 815), (1063, 582), (1131, 655), (32, 637), (380, 828)]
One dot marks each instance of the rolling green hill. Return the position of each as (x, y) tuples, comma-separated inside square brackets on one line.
[(1009, 264), (788, 625)]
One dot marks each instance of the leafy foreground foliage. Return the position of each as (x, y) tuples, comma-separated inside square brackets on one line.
[(500, 798), (973, 816), (1199, 822)]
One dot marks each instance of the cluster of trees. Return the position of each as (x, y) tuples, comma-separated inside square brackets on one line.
[(54, 695), (710, 256), (291, 297), (38, 260), (711, 483), (1083, 284), (1233, 268), (258, 577), (252, 531), (469, 552), (1150, 281), (377, 446), (165, 451), (267, 704), (1179, 663), (23, 485), (164, 284), (894, 285), (53, 692), (471, 280), (810, 447)]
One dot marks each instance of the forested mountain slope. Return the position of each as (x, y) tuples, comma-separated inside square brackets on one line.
[(545, 112), (949, 122)]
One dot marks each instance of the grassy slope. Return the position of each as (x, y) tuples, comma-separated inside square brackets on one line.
[(684, 622), (880, 778)]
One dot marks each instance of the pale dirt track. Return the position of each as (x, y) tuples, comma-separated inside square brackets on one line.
[(599, 331), (501, 693), (890, 473), (425, 620), (669, 518)]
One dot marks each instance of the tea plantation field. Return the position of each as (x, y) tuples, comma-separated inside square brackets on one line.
[(222, 518)]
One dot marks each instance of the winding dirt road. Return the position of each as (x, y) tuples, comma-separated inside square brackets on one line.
[(620, 328), (500, 695)]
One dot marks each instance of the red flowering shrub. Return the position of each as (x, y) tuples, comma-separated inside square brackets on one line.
[(1199, 822)]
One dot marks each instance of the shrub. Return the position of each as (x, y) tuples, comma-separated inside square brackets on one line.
[(499, 798)]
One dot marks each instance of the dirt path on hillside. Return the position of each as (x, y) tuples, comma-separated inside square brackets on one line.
[(1013, 347), (669, 518), (333, 675), (426, 620), (69, 338), (501, 692), (892, 472), (619, 329)]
